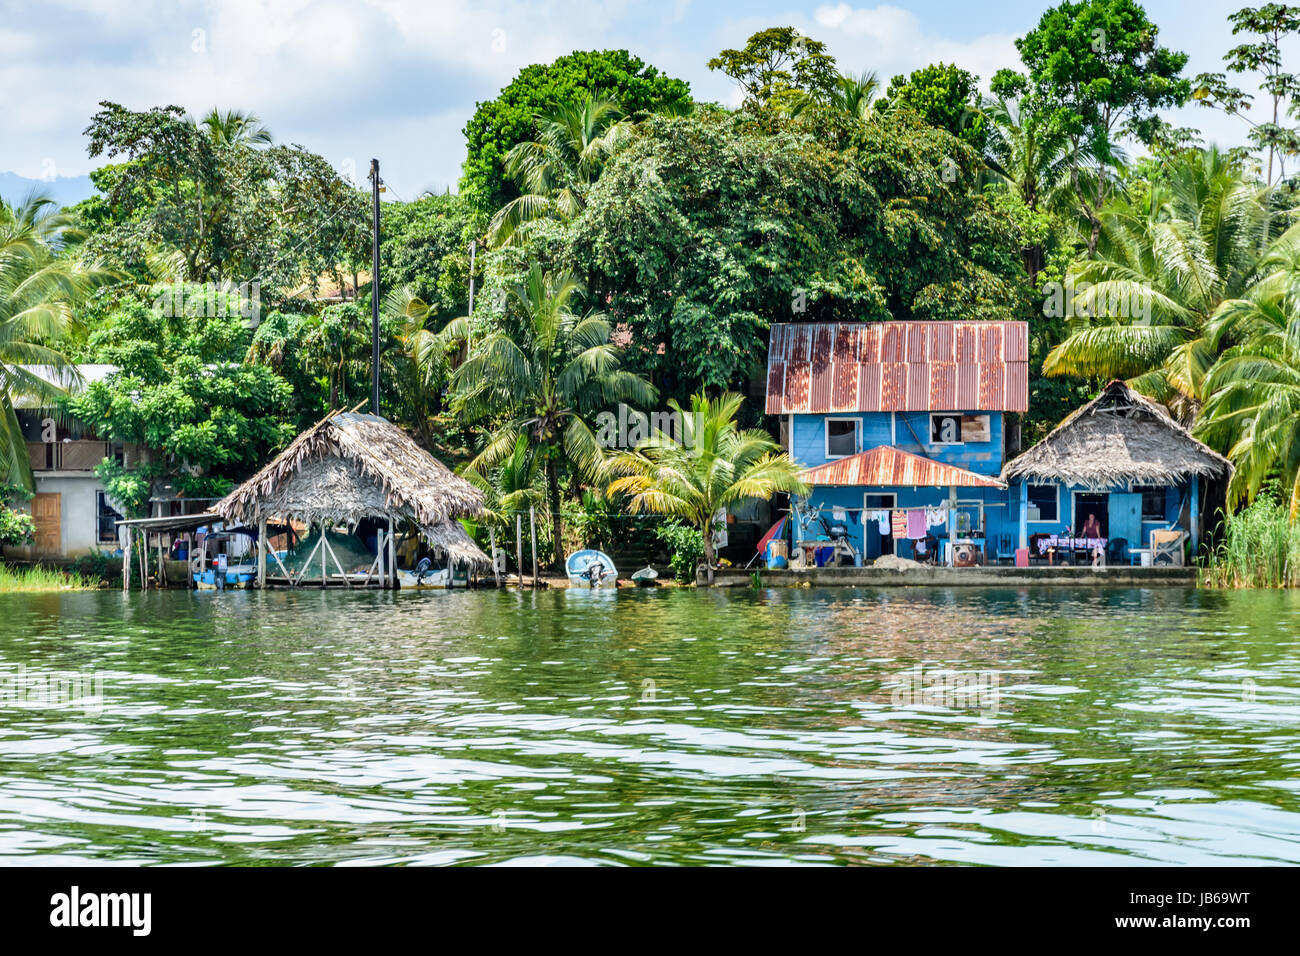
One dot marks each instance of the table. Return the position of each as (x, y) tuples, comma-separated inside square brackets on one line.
[(1058, 542)]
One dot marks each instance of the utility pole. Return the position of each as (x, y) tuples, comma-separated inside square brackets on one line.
[(469, 340), (374, 292)]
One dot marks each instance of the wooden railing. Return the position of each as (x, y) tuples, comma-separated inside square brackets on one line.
[(68, 455)]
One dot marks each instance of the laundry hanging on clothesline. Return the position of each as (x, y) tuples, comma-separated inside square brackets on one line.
[(934, 516)]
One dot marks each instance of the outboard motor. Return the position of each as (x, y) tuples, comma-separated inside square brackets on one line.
[(593, 574), (837, 531), (422, 570)]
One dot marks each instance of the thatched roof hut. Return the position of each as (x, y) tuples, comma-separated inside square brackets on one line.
[(351, 466), (1120, 437)]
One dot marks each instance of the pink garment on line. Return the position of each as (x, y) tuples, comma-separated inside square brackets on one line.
[(916, 523)]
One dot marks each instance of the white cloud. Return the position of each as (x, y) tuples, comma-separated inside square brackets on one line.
[(890, 41)]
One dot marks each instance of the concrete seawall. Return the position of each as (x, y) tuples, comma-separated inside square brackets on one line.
[(1119, 576)]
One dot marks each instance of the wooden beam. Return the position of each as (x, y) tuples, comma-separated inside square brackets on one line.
[(261, 550), (532, 533), (392, 554), (126, 560)]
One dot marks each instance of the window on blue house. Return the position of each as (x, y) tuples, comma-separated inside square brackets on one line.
[(1153, 504), (945, 430), (841, 437), (1042, 503)]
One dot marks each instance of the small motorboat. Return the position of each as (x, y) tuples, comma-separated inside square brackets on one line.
[(590, 568), (645, 578)]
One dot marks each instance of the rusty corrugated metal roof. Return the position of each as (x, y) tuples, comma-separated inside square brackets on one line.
[(888, 466), (816, 367)]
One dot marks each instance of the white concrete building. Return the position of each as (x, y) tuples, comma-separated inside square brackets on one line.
[(70, 509)]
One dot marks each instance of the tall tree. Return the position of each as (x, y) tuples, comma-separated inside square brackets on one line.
[(1252, 412), (235, 128), (1098, 66), (280, 216), (944, 96), (714, 463), (1269, 24), (1165, 261), (779, 67), (499, 124), (541, 377), (555, 171), (40, 290)]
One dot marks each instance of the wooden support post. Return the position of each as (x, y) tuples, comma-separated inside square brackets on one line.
[(126, 560), (532, 534), (1024, 514), (162, 565), (952, 524), (144, 560), (262, 547), (519, 546), (329, 553), (1194, 515), (492, 541), (392, 555)]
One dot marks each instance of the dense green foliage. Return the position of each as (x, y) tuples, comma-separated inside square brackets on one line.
[(685, 545), (632, 244), (184, 394), (16, 527), (707, 229), (500, 124), (944, 96)]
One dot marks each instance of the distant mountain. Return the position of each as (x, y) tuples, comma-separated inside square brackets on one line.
[(65, 190)]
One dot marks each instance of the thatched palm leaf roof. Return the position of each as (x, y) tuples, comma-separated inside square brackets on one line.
[(351, 466), (1120, 437)]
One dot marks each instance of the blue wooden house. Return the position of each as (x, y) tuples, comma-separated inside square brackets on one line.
[(901, 416), (890, 417)]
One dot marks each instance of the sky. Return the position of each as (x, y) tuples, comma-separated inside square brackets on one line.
[(398, 79)]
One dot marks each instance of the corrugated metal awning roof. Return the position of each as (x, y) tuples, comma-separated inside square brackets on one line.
[(816, 367), (888, 466)]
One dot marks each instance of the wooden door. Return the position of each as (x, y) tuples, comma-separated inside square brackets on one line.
[(47, 515)]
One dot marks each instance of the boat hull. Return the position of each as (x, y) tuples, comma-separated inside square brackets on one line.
[(578, 568)]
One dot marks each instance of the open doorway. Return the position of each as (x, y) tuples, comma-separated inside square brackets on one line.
[(878, 540), (1091, 515)]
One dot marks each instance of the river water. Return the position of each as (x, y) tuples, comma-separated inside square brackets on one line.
[(1044, 726)]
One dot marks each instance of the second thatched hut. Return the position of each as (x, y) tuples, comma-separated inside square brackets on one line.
[(1122, 461), (359, 484)]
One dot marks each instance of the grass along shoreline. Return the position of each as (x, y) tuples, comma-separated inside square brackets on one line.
[(37, 578), (1260, 549)]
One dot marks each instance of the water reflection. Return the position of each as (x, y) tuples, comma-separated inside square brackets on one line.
[(1131, 726)]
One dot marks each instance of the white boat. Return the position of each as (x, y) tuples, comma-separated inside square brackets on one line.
[(426, 576), (590, 568)]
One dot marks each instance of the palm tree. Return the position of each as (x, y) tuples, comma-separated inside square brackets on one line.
[(1031, 155), (1252, 411), (1165, 261), (854, 94), (714, 464), (540, 378), (40, 288), (234, 128), (555, 171)]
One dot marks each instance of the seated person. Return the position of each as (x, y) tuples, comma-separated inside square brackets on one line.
[(1092, 531), (925, 549)]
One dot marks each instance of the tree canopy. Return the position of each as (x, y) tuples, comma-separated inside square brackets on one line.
[(510, 118)]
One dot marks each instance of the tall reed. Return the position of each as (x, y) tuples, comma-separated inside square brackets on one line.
[(1260, 549)]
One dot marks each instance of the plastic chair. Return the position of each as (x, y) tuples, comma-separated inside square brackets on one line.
[(1167, 547)]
